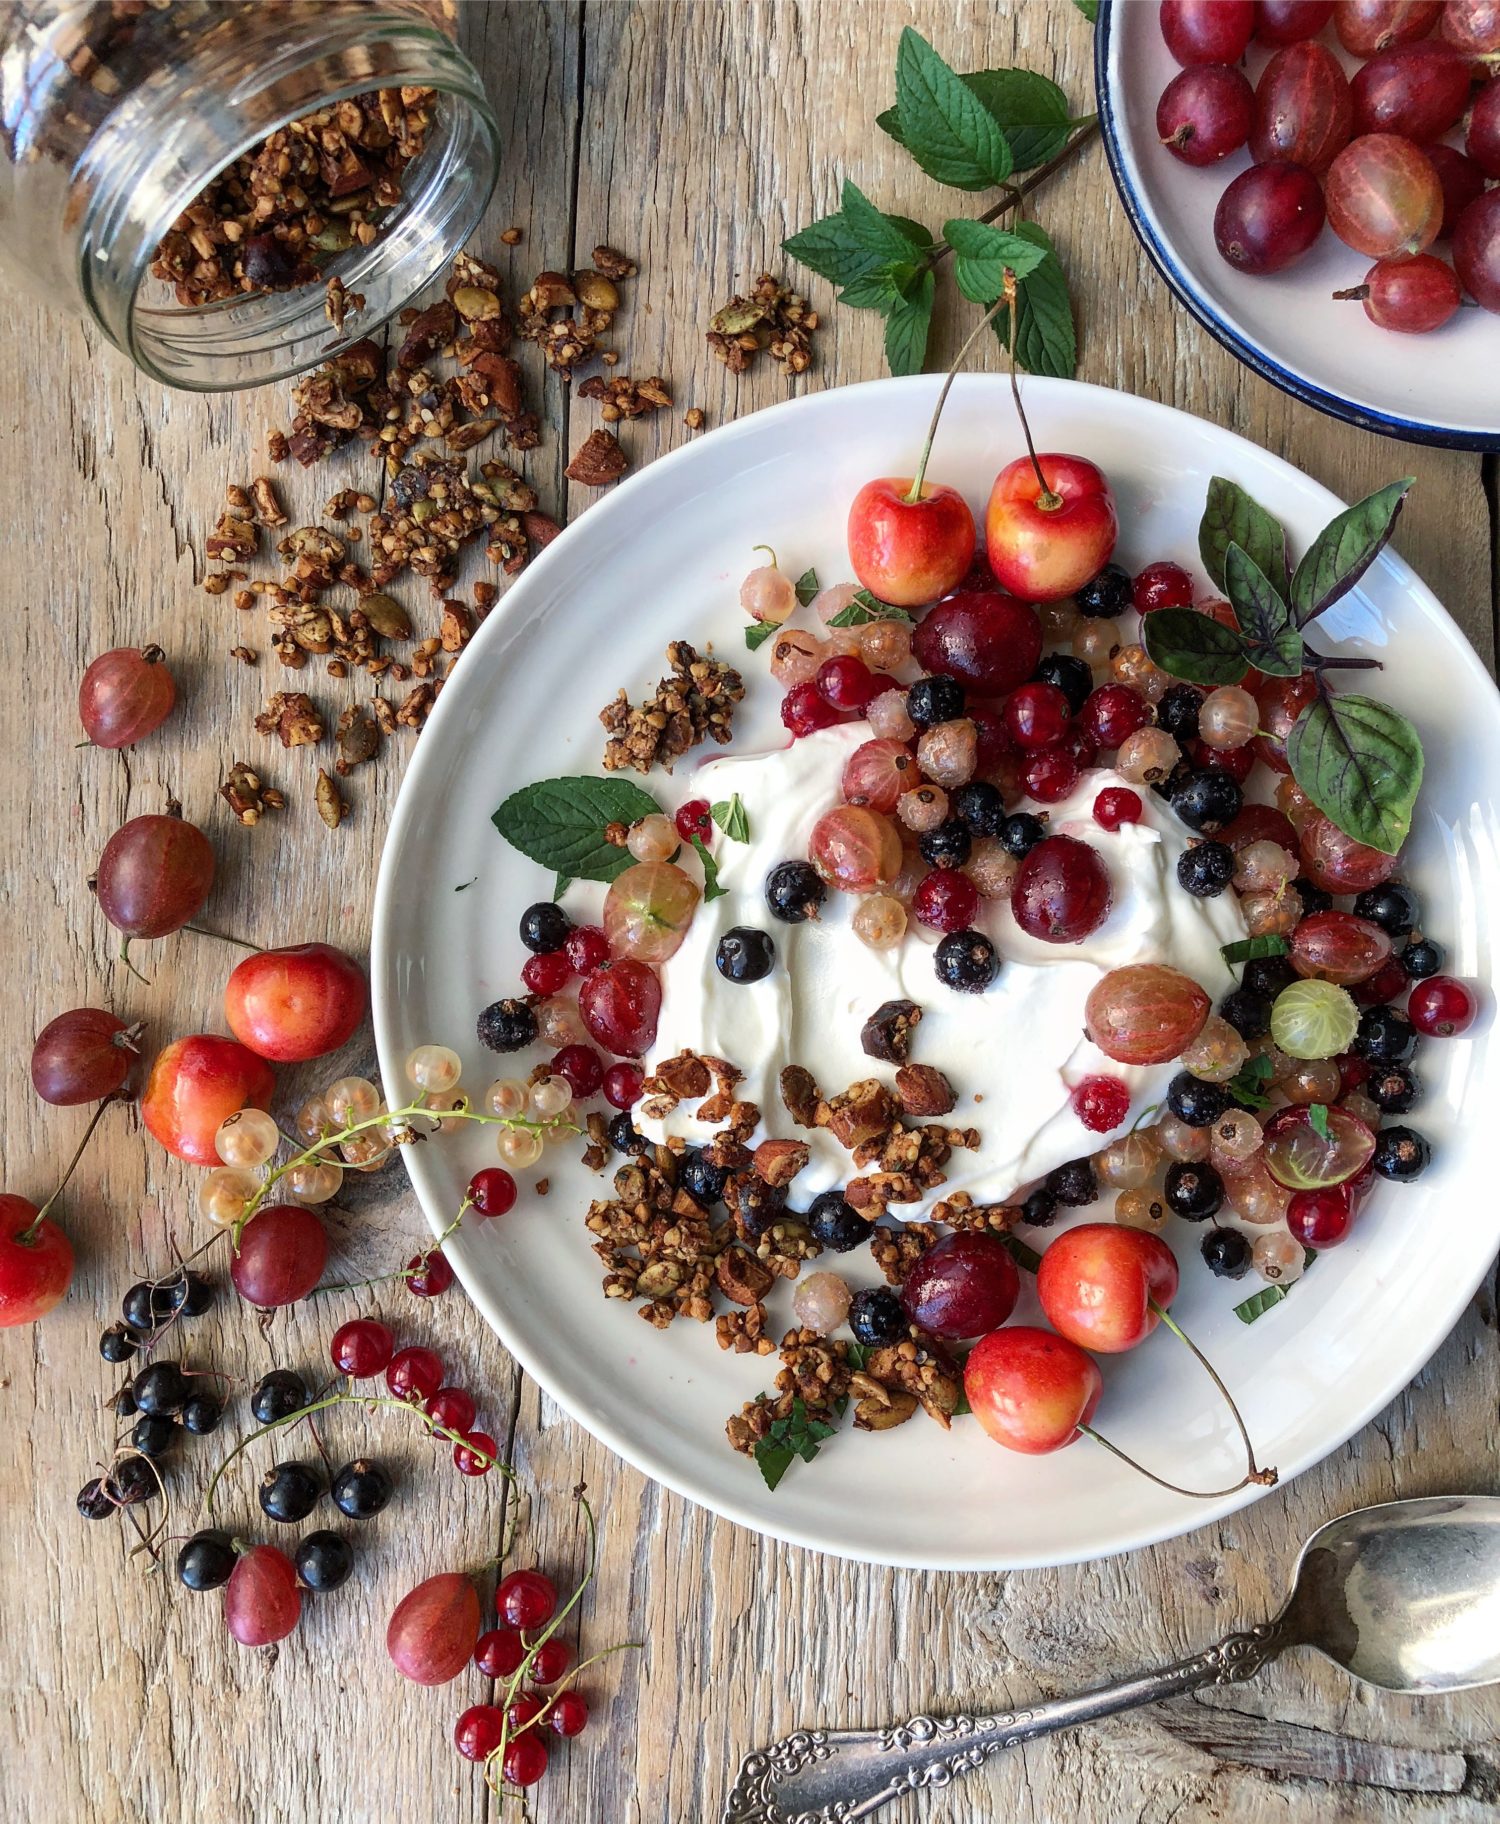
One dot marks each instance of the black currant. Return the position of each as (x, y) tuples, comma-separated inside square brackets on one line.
[(123, 1404), (1401, 1153), (196, 1297), (508, 1025), (201, 1414), (758, 1205), (876, 1317), (144, 1306), (947, 846), (289, 1492), (1072, 676), (161, 1387), (1039, 1210), (1393, 1088), (794, 891), (623, 1137), (1192, 1190), (94, 1503), (1386, 1035), (1391, 906), (1195, 1102), (118, 1343), (324, 1561), (1020, 833), (1110, 593), (836, 1223), (1073, 1183), (205, 1561), (154, 1434), (131, 1480), (1207, 800), (277, 1395), (1206, 869), (544, 927), (1313, 899), (1177, 712), (966, 960), (1422, 958), (699, 1177), (1267, 976), (934, 700), (1227, 1253), (979, 807), (1247, 1012), (361, 1489), (745, 955)]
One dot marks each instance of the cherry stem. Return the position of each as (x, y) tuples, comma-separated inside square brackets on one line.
[(1357, 292), (28, 1234), (914, 493), (1253, 1472), (1195, 1494), (223, 937), (1016, 193)]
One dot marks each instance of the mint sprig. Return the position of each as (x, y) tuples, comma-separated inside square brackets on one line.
[(560, 824)]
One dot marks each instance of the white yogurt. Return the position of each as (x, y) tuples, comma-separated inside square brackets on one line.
[(1013, 1054)]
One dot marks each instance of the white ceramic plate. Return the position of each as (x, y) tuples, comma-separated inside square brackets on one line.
[(662, 558), (1285, 325)]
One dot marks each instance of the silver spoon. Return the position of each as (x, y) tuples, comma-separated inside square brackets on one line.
[(1406, 1596)]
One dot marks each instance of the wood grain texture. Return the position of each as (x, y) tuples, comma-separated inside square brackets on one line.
[(694, 136)]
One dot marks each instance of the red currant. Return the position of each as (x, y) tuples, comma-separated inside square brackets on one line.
[(492, 1191), (477, 1733), (551, 1659), (525, 1758), (945, 900), (1441, 1007), (428, 1275), (623, 1084), (525, 1710), (1036, 716), (452, 1408), (361, 1348), (992, 743), (499, 1653), (586, 947), (1101, 1103), (414, 1374), (1387, 982), (1354, 1072), (694, 819), (1163, 586), (1112, 713), (583, 1068), (804, 710), (1116, 805), (526, 1599), (467, 1458), (1321, 1218), (1236, 761), (569, 1714), (547, 973), (1050, 775), (848, 684)]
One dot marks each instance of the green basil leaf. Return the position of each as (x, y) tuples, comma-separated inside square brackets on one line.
[(1272, 643), (1361, 764), (1193, 646), (732, 818), (560, 823), (758, 632), (944, 125), (1231, 517), (1346, 547), (807, 586), (907, 326), (981, 255), (1046, 339), (711, 888), (1252, 949), (865, 608)]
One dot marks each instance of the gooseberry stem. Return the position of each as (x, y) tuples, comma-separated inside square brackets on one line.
[(28, 1234), (1265, 1477), (914, 492)]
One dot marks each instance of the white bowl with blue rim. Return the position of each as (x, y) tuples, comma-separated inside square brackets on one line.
[(1443, 387)]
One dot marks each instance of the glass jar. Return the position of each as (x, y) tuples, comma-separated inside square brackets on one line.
[(115, 115)]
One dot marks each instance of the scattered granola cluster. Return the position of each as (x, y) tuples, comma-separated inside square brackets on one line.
[(695, 704), (772, 320)]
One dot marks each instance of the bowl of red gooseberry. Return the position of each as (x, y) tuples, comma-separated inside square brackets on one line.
[(1319, 183)]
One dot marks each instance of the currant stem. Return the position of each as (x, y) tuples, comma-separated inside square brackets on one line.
[(1194, 1494), (770, 553), (1253, 1472), (404, 1273), (28, 1234), (223, 937), (914, 493)]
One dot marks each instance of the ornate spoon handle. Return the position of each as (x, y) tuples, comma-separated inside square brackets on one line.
[(835, 1776)]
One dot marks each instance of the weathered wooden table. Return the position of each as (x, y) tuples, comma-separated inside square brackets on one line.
[(695, 137)]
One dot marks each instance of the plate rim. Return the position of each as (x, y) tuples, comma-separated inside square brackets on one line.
[(1255, 357), (384, 992)]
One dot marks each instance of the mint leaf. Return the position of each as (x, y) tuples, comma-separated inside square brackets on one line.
[(866, 608), (1026, 1258), (560, 824), (1232, 517), (1361, 764), (1252, 1083), (711, 888), (807, 586), (732, 818), (560, 885), (1089, 9), (758, 632), (857, 242), (797, 1435), (1251, 949), (1046, 341), (884, 237), (944, 125), (907, 326), (1193, 646), (1268, 1296), (1317, 1120), (879, 290), (982, 253), (1272, 643), (1032, 113), (1346, 547)]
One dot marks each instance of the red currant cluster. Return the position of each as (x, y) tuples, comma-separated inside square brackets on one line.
[(1367, 156), (415, 1375)]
